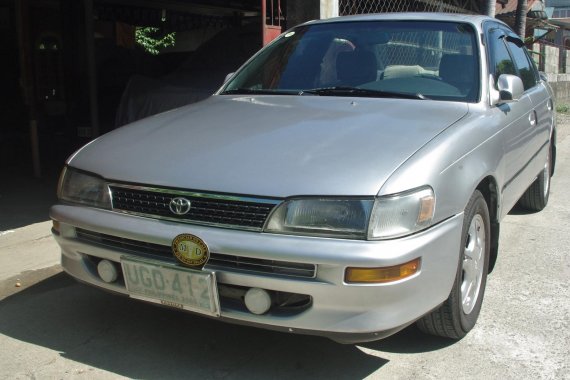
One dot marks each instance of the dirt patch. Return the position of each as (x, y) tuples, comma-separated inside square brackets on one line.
[(563, 126)]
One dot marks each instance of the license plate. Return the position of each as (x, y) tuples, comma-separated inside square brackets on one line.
[(171, 285)]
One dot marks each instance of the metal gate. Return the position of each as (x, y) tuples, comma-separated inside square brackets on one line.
[(273, 19)]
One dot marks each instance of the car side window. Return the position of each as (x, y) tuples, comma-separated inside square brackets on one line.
[(526, 72), (501, 62)]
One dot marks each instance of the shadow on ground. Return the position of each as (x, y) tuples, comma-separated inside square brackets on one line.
[(25, 200), (138, 340)]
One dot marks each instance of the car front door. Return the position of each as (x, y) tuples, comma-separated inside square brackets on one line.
[(519, 119)]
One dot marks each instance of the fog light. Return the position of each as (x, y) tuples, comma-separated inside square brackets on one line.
[(383, 274), (257, 301), (55, 226), (107, 271)]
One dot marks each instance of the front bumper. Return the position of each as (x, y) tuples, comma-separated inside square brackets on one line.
[(341, 311)]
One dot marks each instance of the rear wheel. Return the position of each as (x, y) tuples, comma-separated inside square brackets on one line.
[(536, 196), (458, 314)]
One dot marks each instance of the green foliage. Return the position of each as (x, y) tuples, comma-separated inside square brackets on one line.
[(153, 40), (563, 108)]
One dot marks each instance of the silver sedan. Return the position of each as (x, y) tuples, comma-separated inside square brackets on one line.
[(347, 181)]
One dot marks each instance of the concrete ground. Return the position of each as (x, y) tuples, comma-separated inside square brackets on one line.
[(54, 328)]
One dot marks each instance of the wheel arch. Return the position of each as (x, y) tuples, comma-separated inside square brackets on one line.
[(489, 189)]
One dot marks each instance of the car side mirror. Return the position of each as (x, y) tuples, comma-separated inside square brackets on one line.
[(510, 88), (228, 77)]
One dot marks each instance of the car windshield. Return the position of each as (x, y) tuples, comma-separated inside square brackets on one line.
[(408, 59)]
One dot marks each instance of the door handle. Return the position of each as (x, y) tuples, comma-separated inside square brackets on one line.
[(532, 118)]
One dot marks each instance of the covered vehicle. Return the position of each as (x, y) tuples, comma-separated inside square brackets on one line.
[(347, 181), (198, 77)]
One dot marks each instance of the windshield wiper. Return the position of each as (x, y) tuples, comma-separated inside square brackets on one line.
[(327, 91), (364, 92), (257, 91)]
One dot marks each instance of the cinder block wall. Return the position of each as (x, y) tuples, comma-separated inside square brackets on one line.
[(561, 87), (559, 81), (551, 59)]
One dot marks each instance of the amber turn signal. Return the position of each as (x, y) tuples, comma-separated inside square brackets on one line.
[(382, 274), (55, 226)]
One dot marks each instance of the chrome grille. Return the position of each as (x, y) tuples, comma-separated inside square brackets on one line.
[(217, 260), (209, 209)]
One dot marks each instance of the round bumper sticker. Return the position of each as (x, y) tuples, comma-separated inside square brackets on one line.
[(190, 250)]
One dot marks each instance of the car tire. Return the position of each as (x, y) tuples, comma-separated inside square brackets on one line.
[(536, 196), (458, 314)]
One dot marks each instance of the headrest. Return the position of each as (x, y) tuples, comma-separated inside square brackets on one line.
[(356, 67)]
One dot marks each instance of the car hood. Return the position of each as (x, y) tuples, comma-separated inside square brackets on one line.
[(271, 145)]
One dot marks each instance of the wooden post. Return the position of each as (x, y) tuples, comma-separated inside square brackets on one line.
[(91, 68), (490, 11), (27, 80)]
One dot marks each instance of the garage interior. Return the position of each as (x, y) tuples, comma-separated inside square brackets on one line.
[(73, 70), (71, 77)]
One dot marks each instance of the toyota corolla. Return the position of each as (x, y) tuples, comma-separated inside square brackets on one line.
[(349, 180)]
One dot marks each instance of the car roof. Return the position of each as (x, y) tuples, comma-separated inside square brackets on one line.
[(475, 20)]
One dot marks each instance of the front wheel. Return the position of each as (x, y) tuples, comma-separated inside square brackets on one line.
[(458, 314)]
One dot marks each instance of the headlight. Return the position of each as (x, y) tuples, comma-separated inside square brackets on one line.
[(81, 187), (402, 214), (384, 217), (345, 218)]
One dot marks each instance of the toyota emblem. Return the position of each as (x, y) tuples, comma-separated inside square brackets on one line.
[(180, 206)]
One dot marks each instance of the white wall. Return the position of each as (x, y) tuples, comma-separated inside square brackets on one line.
[(329, 8)]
